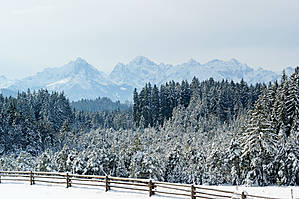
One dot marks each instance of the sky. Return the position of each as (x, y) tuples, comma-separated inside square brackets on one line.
[(35, 34)]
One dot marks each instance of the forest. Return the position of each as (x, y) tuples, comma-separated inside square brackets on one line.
[(100, 105), (206, 132)]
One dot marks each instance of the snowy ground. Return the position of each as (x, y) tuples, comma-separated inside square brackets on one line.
[(44, 191), (270, 191), (13, 190)]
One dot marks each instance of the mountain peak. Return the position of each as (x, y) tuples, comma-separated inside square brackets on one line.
[(141, 60), (234, 61), (192, 61), (80, 60), (215, 61), (80, 64)]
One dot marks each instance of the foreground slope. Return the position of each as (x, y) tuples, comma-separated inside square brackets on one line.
[(18, 190)]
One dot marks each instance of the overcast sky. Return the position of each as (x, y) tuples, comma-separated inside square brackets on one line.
[(35, 34)]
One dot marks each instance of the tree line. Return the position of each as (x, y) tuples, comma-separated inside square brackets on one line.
[(152, 106), (35, 121)]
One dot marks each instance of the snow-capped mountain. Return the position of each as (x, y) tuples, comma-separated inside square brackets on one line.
[(78, 79), (141, 70), (138, 72), (74, 72)]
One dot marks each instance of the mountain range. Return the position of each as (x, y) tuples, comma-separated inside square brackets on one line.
[(78, 79)]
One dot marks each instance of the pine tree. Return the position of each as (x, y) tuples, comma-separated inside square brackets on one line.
[(136, 107), (259, 147), (61, 159), (155, 106), (44, 162), (234, 154)]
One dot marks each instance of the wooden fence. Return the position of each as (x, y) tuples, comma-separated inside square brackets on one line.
[(107, 182)]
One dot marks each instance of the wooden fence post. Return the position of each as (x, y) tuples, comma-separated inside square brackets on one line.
[(33, 182), (150, 186), (31, 178), (67, 180), (70, 181), (192, 192), (243, 195), (106, 183)]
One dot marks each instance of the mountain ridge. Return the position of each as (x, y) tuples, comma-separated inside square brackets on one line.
[(80, 80)]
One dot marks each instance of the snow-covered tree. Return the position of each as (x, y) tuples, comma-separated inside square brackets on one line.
[(259, 147)]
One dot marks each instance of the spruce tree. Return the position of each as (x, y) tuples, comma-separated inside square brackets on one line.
[(259, 147)]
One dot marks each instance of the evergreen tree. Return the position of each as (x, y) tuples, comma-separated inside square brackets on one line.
[(259, 147), (136, 107)]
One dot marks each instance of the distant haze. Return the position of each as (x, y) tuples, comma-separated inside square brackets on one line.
[(48, 33)]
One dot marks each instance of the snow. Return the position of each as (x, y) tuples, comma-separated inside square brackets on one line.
[(4, 82), (18, 190), (141, 70), (63, 81), (269, 191), (22, 190), (77, 80)]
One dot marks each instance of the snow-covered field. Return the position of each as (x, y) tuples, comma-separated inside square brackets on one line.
[(270, 191), (45, 191), (13, 190)]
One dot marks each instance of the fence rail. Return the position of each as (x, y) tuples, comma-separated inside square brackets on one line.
[(143, 185)]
